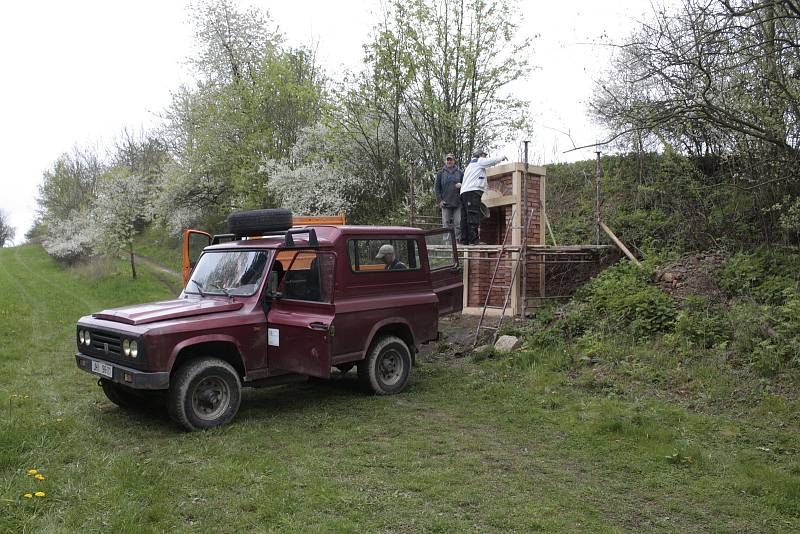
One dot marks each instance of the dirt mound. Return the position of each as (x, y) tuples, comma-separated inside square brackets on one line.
[(693, 275), (457, 334)]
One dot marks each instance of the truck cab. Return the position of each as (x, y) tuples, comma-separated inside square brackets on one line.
[(273, 308)]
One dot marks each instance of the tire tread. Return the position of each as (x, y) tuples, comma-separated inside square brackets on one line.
[(253, 222), (178, 390)]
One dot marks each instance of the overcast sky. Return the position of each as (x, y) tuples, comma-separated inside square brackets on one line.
[(75, 73)]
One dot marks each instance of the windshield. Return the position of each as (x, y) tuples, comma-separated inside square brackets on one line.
[(231, 273)]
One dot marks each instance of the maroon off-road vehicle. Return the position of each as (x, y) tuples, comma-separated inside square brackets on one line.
[(286, 305)]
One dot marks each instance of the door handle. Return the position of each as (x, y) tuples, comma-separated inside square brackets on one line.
[(318, 326)]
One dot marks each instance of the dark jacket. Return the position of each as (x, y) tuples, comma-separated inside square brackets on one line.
[(396, 265), (445, 187)]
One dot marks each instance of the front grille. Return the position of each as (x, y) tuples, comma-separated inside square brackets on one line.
[(101, 340)]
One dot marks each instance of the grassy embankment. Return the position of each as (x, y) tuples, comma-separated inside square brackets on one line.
[(522, 443)]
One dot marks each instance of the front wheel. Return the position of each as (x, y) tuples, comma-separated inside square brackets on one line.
[(387, 366), (120, 395), (205, 393)]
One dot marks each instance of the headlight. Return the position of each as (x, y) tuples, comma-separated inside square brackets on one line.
[(88, 337), (81, 336), (126, 347), (134, 349)]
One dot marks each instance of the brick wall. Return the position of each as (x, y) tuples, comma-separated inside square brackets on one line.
[(492, 230)]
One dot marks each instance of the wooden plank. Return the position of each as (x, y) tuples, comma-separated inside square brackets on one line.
[(490, 312), (465, 281), (549, 228), (505, 200), (516, 239), (619, 243)]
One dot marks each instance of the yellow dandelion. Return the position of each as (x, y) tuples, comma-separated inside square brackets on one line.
[(39, 494), (26, 397), (32, 472), (28, 495), (59, 420), (38, 477)]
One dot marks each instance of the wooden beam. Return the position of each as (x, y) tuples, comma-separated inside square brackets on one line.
[(505, 200), (465, 281), (549, 228), (619, 244), (518, 212)]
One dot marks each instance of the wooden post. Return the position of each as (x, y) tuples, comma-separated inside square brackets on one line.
[(620, 244), (465, 293), (525, 223), (597, 199), (517, 224), (413, 206)]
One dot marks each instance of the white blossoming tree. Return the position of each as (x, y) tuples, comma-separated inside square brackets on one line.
[(70, 239), (123, 201)]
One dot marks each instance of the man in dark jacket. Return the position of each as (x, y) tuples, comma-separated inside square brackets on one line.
[(447, 188)]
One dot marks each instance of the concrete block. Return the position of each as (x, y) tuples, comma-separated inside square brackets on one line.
[(507, 344)]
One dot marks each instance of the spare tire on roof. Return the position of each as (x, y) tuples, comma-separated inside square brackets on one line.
[(255, 222)]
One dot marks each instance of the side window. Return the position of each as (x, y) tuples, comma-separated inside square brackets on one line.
[(441, 252), (383, 254), (305, 275)]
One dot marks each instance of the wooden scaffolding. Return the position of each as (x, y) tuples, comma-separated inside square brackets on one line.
[(515, 232)]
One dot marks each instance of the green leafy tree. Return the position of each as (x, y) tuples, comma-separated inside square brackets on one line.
[(716, 81), (7, 231), (69, 187), (437, 80), (253, 98)]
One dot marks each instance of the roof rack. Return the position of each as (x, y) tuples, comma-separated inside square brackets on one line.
[(287, 236)]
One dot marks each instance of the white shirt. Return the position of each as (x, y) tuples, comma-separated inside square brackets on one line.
[(475, 174)]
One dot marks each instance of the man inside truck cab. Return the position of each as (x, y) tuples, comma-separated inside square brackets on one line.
[(386, 254)]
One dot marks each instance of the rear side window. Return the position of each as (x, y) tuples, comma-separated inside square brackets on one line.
[(383, 254)]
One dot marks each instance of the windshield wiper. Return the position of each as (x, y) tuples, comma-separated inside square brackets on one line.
[(199, 287), (215, 286)]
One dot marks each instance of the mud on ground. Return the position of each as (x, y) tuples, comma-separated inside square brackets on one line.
[(457, 333)]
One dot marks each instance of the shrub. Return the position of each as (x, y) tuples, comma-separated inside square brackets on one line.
[(780, 346), (741, 273), (701, 323), (624, 297), (774, 289), (767, 275)]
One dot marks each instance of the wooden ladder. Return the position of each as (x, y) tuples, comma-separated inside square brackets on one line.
[(517, 262)]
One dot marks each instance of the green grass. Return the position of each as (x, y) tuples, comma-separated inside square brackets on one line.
[(530, 442)]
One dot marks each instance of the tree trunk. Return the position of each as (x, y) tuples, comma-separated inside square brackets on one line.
[(133, 265)]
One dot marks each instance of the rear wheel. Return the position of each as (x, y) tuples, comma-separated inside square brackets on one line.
[(386, 368), (205, 394)]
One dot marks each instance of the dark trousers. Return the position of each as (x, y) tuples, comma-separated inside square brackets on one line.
[(470, 216)]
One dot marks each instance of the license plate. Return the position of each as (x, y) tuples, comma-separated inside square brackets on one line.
[(103, 369)]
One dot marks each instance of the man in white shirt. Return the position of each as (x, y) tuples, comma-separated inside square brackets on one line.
[(473, 184)]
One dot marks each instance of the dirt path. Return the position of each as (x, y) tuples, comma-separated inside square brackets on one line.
[(169, 278)]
